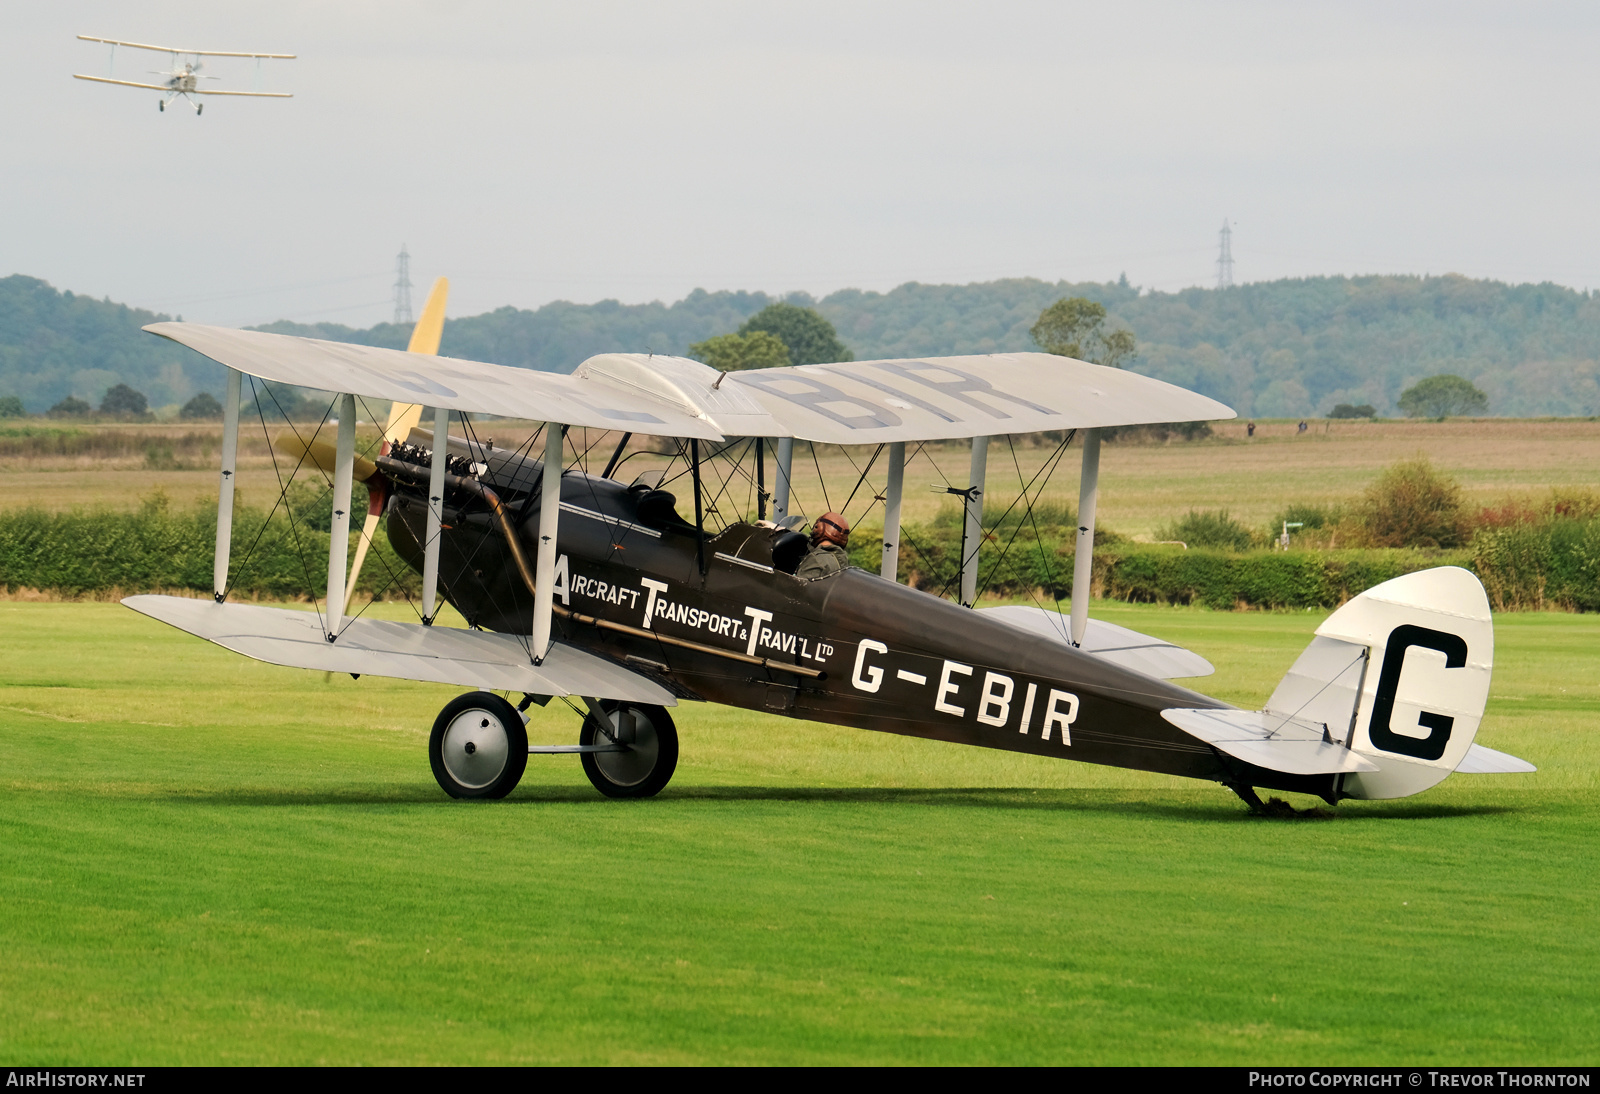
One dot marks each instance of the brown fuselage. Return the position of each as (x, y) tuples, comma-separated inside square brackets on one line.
[(715, 621)]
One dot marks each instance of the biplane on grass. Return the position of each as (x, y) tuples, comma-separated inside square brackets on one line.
[(625, 593)]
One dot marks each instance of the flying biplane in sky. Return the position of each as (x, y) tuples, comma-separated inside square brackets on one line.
[(183, 78), (634, 592)]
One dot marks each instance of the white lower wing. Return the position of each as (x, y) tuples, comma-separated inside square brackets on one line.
[(407, 651), (1109, 642), (121, 83)]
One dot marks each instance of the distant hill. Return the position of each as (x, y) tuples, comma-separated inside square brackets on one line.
[(1286, 348), (54, 344), (559, 336), (1280, 348)]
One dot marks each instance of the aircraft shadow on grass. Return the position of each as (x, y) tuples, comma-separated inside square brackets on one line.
[(984, 798)]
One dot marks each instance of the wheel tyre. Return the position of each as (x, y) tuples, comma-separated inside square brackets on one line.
[(646, 768), (479, 746)]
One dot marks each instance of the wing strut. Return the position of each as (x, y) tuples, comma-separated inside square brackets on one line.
[(761, 479), (430, 550), (230, 460), (1083, 561), (549, 517), (339, 541), (403, 417), (780, 480), (972, 530), (891, 511), (699, 514)]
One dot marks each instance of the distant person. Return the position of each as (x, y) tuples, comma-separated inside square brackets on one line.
[(1303, 426), (1250, 429), (830, 535)]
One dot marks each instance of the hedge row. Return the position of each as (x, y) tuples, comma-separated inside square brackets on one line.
[(1258, 579), (89, 551), (1555, 564)]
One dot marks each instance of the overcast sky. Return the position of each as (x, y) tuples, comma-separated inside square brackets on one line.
[(535, 152)]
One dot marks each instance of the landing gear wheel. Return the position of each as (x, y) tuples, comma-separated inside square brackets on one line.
[(479, 746), (652, 756)]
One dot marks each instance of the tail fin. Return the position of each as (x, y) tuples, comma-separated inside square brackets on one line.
[(1400, 675)]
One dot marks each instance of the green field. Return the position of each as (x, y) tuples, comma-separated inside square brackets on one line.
[(205, 859)]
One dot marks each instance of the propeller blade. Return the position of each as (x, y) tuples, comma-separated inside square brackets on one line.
[(368, 530), (430, 326), (403, 417), (323, 454)]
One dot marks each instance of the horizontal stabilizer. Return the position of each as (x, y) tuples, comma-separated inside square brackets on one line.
[(1109, 642), (1488, 761), (406, 651), (1289, 745)]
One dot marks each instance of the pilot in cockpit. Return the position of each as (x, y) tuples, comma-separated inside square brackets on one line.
[(830, 535)]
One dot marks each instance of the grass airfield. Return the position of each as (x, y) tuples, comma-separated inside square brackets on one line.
[(204, 859)]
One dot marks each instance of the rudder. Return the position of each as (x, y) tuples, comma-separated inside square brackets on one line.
[(1400, 675)]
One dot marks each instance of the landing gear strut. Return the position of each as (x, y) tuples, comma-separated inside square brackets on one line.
[(1248, 795), (650, 755)]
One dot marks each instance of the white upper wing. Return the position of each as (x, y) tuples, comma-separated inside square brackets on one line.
[(855, 402), (187, 52), (915, 399), (918, 399), (436, 381)]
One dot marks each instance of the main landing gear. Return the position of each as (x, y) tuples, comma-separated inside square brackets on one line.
[(479, 747), (628, 751)]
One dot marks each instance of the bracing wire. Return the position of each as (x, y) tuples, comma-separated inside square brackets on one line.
[(822, 479), (863, 477), (1046, 469), (467, 567), (394, 577), (283, 494)]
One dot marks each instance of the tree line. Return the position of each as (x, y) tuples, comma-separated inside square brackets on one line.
[(1289, 348)]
